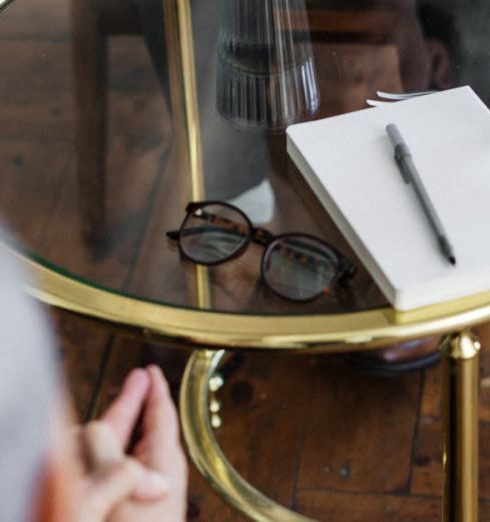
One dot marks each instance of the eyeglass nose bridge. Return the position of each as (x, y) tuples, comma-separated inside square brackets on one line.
[(261, 236)]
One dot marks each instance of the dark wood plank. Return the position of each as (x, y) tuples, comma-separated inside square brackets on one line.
[(129, 352), (372, 25), (427, 457), (265, 410), (124, 355), (359, 438), (36, 101), (30, 178), (90, 69), (158, 269), (84, 346), (336, 506), (35, 20), (139, 139)]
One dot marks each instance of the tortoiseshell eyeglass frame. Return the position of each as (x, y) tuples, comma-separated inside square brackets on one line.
[(344, 269)]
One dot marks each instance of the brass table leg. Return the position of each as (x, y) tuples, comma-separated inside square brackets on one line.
[(207, 455), (460, 427)]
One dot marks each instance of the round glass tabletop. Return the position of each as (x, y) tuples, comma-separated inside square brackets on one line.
[(116, 114)]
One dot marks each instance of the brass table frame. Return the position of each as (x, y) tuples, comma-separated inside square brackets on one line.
[(460, 436), (320, 334)]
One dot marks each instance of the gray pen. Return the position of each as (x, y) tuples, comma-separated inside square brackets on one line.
[(403, 159)]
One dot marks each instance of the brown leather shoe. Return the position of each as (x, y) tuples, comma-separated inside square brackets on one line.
[(399, 358)]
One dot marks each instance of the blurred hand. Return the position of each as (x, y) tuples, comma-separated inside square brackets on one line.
[(150, 483)]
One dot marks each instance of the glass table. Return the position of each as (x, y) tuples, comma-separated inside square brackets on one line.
[(120, 113)]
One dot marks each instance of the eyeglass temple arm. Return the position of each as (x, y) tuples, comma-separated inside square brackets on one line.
[(173, 234), (347, 271), (259, 235)]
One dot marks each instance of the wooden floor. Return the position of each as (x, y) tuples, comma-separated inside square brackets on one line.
[(310, 432)]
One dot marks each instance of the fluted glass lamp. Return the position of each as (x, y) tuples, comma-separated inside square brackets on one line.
[(266, 74)]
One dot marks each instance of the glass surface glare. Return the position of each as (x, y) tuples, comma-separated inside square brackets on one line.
[(265, 73)]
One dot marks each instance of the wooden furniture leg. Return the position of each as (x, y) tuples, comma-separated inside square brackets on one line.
[(90, 72)]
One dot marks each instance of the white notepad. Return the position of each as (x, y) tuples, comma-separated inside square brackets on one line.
[(348, 162)]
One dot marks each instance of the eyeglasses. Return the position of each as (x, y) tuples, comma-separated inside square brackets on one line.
[(298, 267)]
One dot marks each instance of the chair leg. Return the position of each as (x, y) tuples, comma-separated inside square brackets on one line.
[(460, 427), (90, 73), (150, 15)]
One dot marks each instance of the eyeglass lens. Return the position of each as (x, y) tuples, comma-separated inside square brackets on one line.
[(213, 233), (299, 267)]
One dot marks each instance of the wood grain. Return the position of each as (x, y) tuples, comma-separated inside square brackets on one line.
[(359, 437)]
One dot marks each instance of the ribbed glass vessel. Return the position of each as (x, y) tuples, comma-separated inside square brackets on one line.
[(266, 74)]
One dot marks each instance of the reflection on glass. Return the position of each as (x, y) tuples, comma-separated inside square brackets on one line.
[(266, 75)]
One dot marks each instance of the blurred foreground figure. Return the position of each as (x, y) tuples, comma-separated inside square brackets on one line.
[(50, 472), (28, 398)]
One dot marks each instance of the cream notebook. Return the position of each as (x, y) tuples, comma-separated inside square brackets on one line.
[(348, 162)]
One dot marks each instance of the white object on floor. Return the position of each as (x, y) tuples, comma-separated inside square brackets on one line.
[(258, 203)]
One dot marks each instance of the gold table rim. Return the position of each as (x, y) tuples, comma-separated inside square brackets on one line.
[(193, 327)]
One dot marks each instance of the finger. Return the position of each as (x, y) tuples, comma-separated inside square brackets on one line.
[(103, 451), (160, 414), (159, 445), (102, 448), (109, 488), (125, 410), (153, 486)]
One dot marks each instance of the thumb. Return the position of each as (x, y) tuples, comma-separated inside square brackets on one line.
[(110, 486)]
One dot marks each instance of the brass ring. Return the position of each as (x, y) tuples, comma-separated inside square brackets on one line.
[(207, 455)]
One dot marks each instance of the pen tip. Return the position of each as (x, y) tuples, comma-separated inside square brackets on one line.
[(452, 260)]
